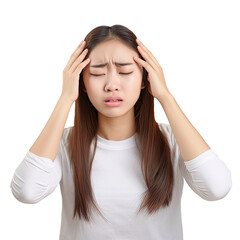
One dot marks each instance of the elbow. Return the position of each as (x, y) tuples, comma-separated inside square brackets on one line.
[(221, 193), (221, 190), (24, 198), (24, 194)]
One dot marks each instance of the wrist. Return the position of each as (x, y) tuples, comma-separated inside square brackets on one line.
[(65, 100), (165, 98)]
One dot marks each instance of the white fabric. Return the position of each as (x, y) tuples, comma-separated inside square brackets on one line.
[(118, 186)]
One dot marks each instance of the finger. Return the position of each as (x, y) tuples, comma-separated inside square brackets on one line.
[(75, 55), (78, 60), (143, 63), (81, 66), (147, 57), (149, 53)]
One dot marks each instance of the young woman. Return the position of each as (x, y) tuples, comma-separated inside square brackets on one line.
[(116, 159)]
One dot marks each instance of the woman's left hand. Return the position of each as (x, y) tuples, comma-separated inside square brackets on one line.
[(158, 87)]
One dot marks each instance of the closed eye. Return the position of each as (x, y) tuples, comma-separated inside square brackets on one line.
[(126, 73), (103, 74)]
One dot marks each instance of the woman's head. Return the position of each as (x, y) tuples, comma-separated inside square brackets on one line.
[(110, 45), (120, 76)]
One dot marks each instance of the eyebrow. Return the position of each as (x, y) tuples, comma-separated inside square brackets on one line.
[(104, 64)]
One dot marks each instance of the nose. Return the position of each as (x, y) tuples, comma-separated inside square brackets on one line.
[(112, 82)]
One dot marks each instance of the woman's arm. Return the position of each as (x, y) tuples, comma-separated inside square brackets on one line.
[(40, 171), (36, 177), (190, 142), (48, 141)]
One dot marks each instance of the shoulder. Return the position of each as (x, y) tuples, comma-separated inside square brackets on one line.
[(175, 152), (166, 129), (65, 135), (64, 146)]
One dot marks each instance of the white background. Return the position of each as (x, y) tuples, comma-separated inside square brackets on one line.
[(197, 43)]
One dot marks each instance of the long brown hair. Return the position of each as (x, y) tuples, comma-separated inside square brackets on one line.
[(153, 145)]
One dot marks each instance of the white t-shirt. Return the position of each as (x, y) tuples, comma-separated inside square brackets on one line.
[(118, 185)]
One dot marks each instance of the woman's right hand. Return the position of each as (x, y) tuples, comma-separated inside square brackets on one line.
[(72, 71)]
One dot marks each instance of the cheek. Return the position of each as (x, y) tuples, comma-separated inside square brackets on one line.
[(135, 80), (89, 82), (93, 90)]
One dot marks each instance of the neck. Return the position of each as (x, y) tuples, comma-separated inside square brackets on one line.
[(116, 128)]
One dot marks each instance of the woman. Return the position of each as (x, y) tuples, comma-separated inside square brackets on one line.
[(117, 159)]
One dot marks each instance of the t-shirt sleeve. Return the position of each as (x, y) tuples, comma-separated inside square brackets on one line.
[(36, 177), (207, 175)]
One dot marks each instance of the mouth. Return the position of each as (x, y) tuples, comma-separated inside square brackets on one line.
[(116, 100), (113, 103)]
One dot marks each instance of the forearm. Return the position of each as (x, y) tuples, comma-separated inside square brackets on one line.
[(190, 142), (48, 141)]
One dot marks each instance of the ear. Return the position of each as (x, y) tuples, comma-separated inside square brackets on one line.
[(84, 88), (143, 86)]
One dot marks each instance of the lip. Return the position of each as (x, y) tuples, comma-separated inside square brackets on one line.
[(113, 104), (112, 98)]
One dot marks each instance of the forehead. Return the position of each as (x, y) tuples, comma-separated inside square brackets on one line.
[(111, 50)]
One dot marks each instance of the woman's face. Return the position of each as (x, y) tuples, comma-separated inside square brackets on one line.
[(124, 81)]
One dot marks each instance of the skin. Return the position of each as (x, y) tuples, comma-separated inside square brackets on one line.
[(115, 123)]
